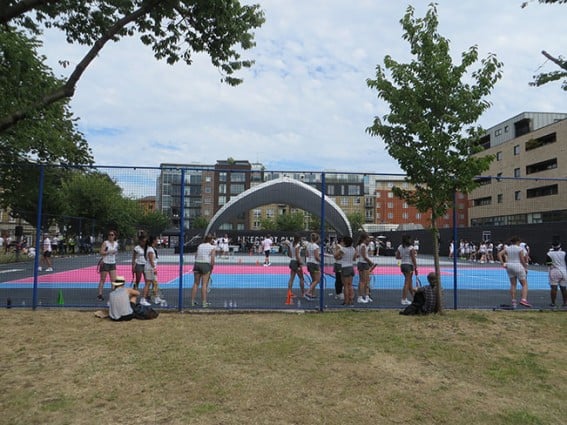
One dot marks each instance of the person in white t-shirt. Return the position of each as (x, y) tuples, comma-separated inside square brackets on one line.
[(556, 260), (46, 254), (204, 264), (108, 251), (267, 248)]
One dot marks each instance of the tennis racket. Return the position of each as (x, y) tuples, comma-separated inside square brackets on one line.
[(417, 282), (210, 284)]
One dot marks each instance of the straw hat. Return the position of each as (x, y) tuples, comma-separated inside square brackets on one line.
[(118, 281)]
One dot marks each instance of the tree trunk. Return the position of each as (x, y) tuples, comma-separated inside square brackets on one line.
[(438, 291)]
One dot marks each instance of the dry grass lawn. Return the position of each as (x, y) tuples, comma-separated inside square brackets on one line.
[(465, 367)]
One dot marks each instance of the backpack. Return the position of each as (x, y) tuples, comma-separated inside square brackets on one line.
[(416, 307), (143, 312)]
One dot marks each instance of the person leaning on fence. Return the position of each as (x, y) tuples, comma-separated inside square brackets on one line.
[(424, 299), (556, 261)]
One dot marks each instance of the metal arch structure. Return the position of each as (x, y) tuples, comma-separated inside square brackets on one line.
[(283, 190)]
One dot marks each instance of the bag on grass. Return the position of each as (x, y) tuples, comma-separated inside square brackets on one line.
[(416, 306), (143, 312)]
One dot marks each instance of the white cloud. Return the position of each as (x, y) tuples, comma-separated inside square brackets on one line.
[(305, 103)]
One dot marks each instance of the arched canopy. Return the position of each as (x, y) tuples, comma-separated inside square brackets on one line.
[(282, 191)]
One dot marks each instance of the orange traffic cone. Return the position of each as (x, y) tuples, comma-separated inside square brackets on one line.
[(289, 299)]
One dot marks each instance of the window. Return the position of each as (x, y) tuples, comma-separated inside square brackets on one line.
[(222, 188), (390, 215), (482, 201), (483, 180), (257, 213), (516, 172), (541, 166), (418, 216), (498, 132), (542, 191), (208, 179), (222, 177), (269, 213), (506, 129), (499, 198), (390, 205), (222, 200), (405, 205), (516, 150), (236, 189), (238, 177), (378, 204), (390, 194), (344, 202), (357, 201), (499, 156), (208, 189), (405, 216), (330, 190), (353, 190), (517, 195), (541, 141)]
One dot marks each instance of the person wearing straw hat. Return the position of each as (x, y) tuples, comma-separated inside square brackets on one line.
[(122, 300)]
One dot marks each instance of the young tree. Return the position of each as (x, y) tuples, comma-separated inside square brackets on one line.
[(356, 220), (547, 77), (174, 29), (430, 128)]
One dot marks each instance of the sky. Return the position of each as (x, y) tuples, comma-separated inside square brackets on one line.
[(305, 104)]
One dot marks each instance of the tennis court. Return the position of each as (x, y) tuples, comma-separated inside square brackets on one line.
[(242, 280)]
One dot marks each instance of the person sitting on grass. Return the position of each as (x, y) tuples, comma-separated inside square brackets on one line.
[(123, 306), (424, 299)]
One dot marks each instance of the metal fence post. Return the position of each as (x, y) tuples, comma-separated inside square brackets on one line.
[(38, 235), (181, 237), (322, 246)]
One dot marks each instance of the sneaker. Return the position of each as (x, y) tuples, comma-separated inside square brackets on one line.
[(194, 303), (369, 299), (144, 302), (341, 296), (405, 301), (269, 264), (265, 265), (308, 297), (39, 269), (158, 300), (49, 269), (525, 303), (206, 305), (361, 300), (100, 298), (552, 305)]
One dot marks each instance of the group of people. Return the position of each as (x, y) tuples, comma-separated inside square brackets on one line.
[(144, 264), (513, 257), (346, 258)]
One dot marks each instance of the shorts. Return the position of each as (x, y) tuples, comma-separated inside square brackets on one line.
[(347, 271), (295, 266), (150, 274), (267, 253), (313, 268), (406, 268), (556, 277), (516, 270), (139, 268), (362, 266), (202, 268), (106, 267), (47, 254)]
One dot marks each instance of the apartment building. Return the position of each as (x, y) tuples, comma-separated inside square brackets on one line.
[(526, 182)]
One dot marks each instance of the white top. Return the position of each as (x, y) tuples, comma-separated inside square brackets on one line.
[(267, 244), (557, 258), (204, 253), (139, 255), (312, 248), (151, 253), (111, 248), (46, 245), (348, 254), (405, 254), (513, 254)]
